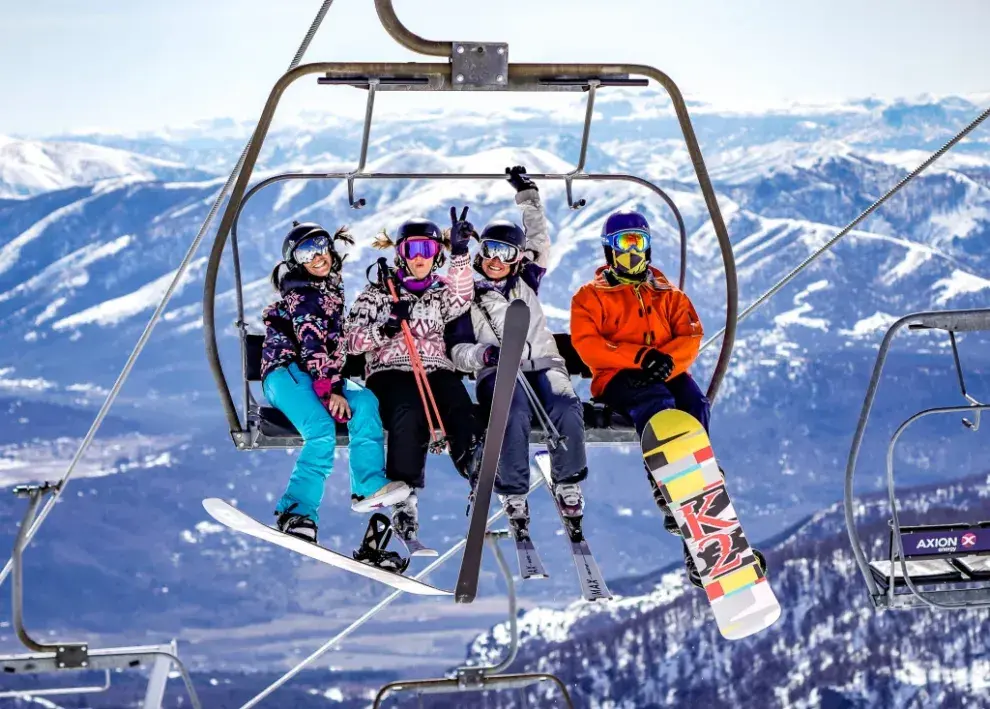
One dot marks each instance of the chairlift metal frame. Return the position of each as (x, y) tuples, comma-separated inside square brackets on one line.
[(951, 321), (471, 66), (75, 655), (481, 679)]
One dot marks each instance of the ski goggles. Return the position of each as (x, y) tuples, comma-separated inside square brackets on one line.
[(506, 253), (630, 240), (419, 248), (308, 249)]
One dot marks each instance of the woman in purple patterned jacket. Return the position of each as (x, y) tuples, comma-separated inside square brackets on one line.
[(427, 302), (301, 365)]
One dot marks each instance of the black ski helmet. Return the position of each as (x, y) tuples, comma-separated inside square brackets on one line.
[(508, 233), (504, 231), (307, 230), (420, 228)]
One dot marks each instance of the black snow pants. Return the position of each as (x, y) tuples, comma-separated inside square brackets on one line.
[(404, 418)]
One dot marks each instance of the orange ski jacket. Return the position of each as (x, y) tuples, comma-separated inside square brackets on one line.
[(612, 327)]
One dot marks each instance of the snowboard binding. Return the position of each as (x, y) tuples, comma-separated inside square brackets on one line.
[(373, 547)]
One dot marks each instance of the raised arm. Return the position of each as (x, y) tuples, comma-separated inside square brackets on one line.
[(535, 225), (459, 292)]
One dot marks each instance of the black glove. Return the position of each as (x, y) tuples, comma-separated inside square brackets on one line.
[(518, 178), (490, 355), (461, 232), (657, 365), (399, 313)]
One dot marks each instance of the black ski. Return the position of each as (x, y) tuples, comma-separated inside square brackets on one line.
[(530, 563), (590, 577), (513, 342)]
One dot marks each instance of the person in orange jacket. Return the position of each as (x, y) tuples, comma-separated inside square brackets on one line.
[(637, 333)]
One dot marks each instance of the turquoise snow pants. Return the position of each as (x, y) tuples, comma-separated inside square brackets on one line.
[(290, 389)]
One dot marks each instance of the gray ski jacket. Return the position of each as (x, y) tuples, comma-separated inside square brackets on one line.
[(471, 334)]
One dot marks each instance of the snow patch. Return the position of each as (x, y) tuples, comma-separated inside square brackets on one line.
[(112, 312), (797, 317), (868, 326), (959, 283)]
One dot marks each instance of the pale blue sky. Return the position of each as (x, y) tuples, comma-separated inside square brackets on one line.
[(137, 64)]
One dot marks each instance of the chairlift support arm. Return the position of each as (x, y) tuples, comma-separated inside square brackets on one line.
[(480, 679)]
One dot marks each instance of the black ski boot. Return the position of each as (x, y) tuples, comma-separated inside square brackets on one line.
[(296, 525), (694, 576), (372, 550)]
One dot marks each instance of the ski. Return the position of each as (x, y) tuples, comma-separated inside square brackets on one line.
[(232, 517), (530, 563), (513, 342), (680, 458), (593, 586)]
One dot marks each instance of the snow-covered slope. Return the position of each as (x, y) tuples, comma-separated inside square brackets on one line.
[(31, 167)]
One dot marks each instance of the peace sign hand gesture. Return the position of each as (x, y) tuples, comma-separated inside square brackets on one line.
[(461, 232)]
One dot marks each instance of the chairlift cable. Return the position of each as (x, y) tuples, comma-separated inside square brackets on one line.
[(852, 225)]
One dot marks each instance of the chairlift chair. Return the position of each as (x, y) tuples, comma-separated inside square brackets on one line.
[(952, 559), (78, 656), (467, 66)]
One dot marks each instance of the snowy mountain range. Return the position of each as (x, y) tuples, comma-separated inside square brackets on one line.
[(92, 228)]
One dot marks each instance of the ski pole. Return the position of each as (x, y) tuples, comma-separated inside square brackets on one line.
[(438, 444)]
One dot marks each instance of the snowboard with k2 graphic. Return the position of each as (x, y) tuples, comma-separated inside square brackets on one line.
[(680, 458)]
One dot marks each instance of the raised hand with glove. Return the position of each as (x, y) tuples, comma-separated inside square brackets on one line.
[(461, 232), (518, 178)]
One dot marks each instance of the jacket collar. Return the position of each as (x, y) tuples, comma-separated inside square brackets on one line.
[(655, 280)]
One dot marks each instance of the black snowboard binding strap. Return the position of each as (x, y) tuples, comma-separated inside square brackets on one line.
[(373, 547)]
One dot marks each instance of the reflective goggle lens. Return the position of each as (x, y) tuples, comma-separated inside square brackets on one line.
[(309, 249), (506, 253), (419, 248), (630, 241)]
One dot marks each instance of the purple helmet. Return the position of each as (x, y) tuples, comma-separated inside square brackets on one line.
[(632, 263)]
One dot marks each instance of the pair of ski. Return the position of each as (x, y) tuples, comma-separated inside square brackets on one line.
[(593, 587), (514, 341)]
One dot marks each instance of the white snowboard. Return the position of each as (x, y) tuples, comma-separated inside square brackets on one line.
[(235, 519)]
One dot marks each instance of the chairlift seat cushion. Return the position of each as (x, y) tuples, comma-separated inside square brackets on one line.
[(976, 566), (926, 571)]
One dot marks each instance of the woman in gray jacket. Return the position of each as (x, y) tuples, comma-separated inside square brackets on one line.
[(511, 263)]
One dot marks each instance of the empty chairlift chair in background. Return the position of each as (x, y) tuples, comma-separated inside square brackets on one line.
[(952, 559)]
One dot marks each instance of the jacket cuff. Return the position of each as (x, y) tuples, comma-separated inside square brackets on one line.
[(530, 195)]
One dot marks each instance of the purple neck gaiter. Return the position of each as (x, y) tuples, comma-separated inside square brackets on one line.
[(415, 285)]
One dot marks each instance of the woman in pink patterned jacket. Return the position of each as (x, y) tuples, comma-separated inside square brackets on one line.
[(427, 302)]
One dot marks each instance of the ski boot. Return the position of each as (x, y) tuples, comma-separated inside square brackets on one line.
[(372, 550), (390, 494), (517, 513), (570, 500), (296, 525), (669, 523), (405, 521)]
